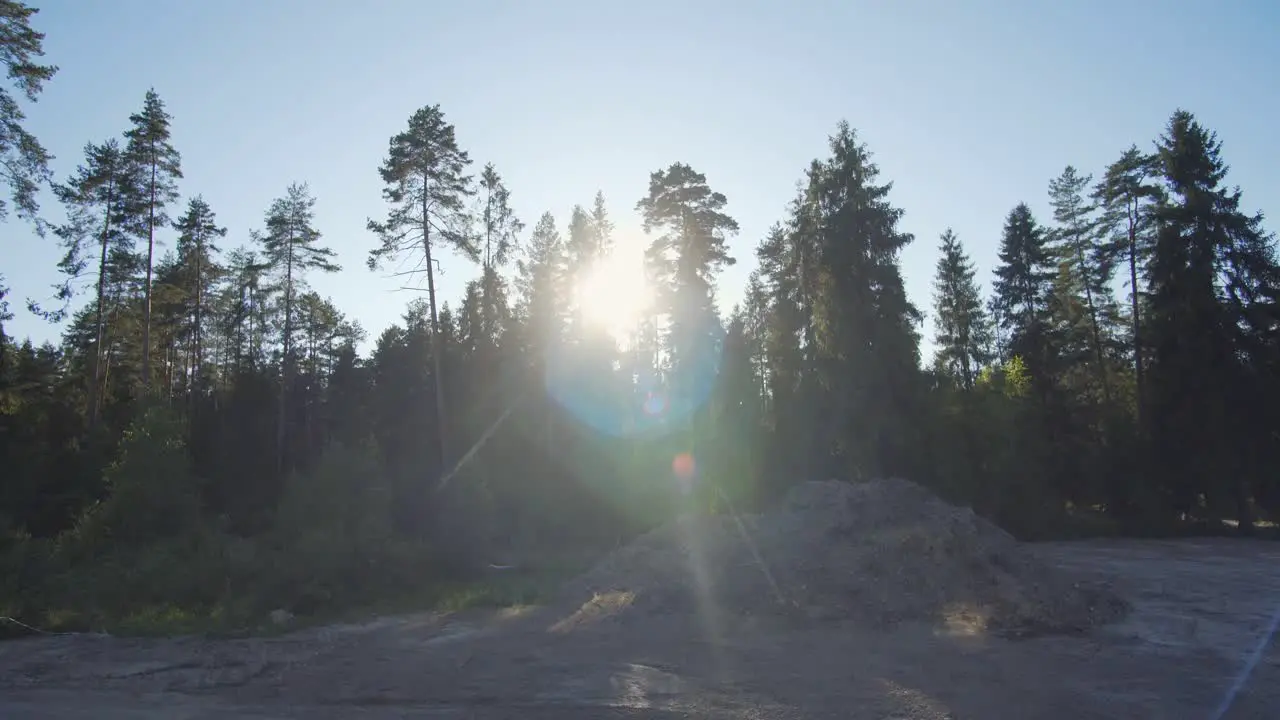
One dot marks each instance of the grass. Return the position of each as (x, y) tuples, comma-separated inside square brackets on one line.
[(501, 590)]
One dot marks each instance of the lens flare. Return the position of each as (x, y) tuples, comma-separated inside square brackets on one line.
[(684, 466)]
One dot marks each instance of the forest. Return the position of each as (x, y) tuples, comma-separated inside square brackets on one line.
[(205, 438)]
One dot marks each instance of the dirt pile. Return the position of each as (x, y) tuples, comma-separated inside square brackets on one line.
[(881, 552)]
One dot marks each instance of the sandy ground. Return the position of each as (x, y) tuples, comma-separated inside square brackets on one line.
[(1200, 608)]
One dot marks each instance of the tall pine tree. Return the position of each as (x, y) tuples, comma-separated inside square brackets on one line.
[(198, 273), (289, 251), (94, 198), (155, 168), (1127, 194), (689, 248), (426, 186)]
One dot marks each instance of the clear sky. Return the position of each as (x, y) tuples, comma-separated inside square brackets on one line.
[(969, 107)]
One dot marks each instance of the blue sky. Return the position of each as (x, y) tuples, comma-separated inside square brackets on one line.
[(968, 107)]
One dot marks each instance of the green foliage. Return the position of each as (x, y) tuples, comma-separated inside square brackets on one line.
[(963, 331), (334, 541), (25, 160), (152, 492), (1023, 289), (341, 506), (1009, 379), (153, 169)]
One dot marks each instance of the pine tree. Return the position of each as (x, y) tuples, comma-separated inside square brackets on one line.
[(289, 251), (198, 231), (94, 201), (501, 226), (25, 160), (155, 168), (245, 317), (961, 329), (1126, 194), (426, 185), (690, 246)]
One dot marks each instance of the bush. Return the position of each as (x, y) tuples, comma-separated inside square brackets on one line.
[(153, 493), (145, 560), (144, 545), (334, 542)]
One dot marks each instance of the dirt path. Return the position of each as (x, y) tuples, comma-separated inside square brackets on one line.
[(1200, 607)]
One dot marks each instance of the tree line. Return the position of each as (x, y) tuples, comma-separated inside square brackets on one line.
[(205, 432)]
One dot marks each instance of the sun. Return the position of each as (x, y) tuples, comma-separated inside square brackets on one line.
[(614, 294)]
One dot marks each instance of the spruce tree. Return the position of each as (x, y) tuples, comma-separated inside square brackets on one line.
[(426, 186), (1210, 266), (580, 244), (154, 170), (542, 281), (501, 228), (962, 331), (1022, 288), (582, 258), (864, 326), (601, 225), (1085, 266)]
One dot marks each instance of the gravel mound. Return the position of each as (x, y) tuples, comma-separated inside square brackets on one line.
[(881, 552)]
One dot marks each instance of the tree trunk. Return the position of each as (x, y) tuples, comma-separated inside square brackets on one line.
[(99, 320), (106, 354), (1093, 322), (146, 308), (286, 364), (170, 360), (1138, 363), (437, 347), (197, 349)]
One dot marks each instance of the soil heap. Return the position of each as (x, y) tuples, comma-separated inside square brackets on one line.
[(881, 552)]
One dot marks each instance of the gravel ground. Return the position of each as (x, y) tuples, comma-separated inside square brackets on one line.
[(1199, 608)]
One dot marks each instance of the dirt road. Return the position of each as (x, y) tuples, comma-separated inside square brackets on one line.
[(1199, 609)]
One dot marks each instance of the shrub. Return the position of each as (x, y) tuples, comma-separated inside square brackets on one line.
[(334, 542), (153, 493)]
